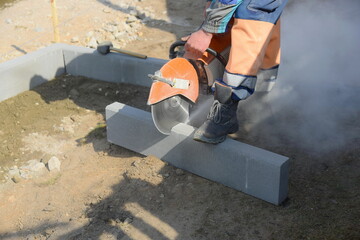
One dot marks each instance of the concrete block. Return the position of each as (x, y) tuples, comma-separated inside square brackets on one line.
[(112, 67), (30, 70), (249, 169)]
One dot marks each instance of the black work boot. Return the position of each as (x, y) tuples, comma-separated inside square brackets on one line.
[(221, 119)]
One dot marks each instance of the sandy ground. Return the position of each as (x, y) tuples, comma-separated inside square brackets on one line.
[(29, 26), (103, 191)]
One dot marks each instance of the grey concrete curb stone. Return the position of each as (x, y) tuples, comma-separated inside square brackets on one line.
[(35, 68), (112, 67), (30, 70), (252, 170)]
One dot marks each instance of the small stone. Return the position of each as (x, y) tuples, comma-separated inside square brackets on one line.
[(39, 29), (166, 175), (147, 20), (30, 237), (136, 163), (141, 16), (179, 172), (14, 172), (131, 19), (162, 195), (34, 166), (231, 234), (128, 220), (111, 37), (8, 21), (25, 174), (74, 39), (92, 43), (120, 35), (133, 12), (74, 93), (54, 164), (111, 222), (16, 178), (133, 25), (89, 34), (45, 159), (48, 232), (110, 28)]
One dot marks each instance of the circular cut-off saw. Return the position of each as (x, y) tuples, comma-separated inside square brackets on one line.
[(177, 85)]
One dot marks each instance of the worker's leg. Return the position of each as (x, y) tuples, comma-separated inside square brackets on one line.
[(248, 43), (255, 44), (268, 72), (250, 35)]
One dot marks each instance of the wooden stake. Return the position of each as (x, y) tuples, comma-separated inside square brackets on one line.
[(55, 21)]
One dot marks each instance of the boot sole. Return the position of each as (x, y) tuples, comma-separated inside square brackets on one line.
[(203, 139)]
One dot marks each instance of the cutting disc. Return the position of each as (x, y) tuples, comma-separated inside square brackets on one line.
[(170, 112)]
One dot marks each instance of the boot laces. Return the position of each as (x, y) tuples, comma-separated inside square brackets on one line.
[(216, 112)]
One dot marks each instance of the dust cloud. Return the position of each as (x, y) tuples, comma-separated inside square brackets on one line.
[(316, 101)]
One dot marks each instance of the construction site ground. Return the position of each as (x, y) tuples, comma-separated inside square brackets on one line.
[(103, 191)]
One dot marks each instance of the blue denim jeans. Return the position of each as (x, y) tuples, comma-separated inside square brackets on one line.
[(261, 10)]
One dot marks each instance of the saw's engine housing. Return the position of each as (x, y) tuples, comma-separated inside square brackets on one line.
[(208, 70)]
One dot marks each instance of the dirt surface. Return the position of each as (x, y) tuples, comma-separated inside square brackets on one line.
[(145, 26), (103, 191)]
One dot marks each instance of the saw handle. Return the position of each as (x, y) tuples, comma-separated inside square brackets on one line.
[(161, 79), (174, 54)]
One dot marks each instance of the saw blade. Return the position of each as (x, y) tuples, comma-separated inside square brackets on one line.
[(170, 112)]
